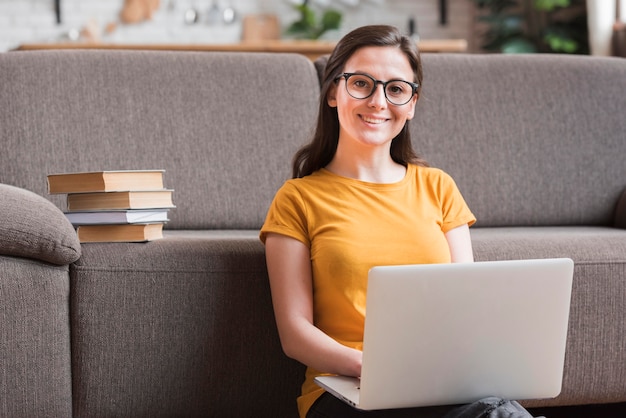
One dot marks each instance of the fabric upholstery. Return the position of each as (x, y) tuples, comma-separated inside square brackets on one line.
[(595, 355), (224, 126), (33, 227), (320, 67), (525, 136), (35, 374), (188, 326), (620, 212)]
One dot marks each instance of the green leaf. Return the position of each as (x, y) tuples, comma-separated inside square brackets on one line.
[(307, 15), (308, 27), (561, 44), (331, 20), (518, 46), (549, 5)]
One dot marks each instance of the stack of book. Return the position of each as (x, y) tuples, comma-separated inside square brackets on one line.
[(115, 206)]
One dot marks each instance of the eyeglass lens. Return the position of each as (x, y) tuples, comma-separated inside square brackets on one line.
[(361, 86)]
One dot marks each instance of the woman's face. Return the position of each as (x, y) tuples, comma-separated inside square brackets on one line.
[(372, 121)]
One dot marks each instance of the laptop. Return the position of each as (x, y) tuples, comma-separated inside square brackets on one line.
[(441, 334)]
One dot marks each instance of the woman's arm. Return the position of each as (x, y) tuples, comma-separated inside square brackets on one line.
[(289, 268), (460, 244)]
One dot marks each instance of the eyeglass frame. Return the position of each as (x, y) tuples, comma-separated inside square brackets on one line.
[(346, 76)]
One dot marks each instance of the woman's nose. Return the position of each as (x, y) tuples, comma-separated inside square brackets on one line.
[(378, 98)]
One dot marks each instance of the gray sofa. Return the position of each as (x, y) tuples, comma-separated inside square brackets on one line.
[(184, 326)]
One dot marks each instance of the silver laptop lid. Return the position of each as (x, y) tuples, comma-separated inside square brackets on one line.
[(454, 333)]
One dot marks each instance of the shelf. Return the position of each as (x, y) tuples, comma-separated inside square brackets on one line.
[(312, 49)]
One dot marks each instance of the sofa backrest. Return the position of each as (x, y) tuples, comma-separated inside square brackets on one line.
[(531, 139), (224, 126)]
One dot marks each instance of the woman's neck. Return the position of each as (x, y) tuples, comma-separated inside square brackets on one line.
[(373, 167)]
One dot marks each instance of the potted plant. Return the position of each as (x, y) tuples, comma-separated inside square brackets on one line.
[(526, 26), (309, 25)]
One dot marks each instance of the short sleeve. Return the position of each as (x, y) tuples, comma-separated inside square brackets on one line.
[(287, 215), (455, 210)]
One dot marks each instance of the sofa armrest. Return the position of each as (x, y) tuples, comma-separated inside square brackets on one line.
[(620, 212), (33, 227)]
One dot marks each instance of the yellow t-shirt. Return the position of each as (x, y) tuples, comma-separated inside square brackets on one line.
[(351, 226)]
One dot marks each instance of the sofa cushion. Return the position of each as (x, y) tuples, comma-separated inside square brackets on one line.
[(522, 135), (35, 362), (595, 358), (224, 126), (190, 319), (33, 227)]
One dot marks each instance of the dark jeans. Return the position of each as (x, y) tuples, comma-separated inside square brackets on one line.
[(328, 406)]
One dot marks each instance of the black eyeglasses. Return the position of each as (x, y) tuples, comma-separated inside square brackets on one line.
[(362, 86)]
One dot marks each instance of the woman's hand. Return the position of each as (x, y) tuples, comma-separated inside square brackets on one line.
[(291, 282)]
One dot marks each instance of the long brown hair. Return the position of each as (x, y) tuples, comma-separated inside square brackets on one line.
[(321, 150)]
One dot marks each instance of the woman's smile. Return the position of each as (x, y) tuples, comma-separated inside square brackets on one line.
[(373, 119)]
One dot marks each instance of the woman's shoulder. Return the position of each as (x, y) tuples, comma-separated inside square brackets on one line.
[(429, 172), (319, 176), (303, 185), (434, 178)]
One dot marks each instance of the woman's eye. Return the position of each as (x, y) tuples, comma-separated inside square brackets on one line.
[(395, 89)]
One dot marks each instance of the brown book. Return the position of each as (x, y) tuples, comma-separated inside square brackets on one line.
[(150, 199), (105, 181), (120, 233)]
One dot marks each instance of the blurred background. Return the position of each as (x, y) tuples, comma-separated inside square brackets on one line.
[(511, 26)]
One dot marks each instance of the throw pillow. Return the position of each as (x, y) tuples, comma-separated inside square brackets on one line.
[(33, 227)]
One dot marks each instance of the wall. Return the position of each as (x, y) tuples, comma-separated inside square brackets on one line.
[(34, 21)]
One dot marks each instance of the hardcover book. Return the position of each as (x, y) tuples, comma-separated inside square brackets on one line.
[(150, 199), (130, 216), (105, 181), (120, 233)]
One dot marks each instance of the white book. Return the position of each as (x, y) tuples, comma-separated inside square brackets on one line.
[(117, 216)]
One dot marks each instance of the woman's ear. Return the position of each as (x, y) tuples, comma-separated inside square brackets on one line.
[(331, 97), (411, 111)]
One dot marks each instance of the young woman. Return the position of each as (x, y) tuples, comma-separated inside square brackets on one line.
[(360, 197)]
